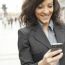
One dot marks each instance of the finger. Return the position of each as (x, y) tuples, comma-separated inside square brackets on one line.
[(54, 59), (58, 57), (55, 52), (51, 54), (47, 54)]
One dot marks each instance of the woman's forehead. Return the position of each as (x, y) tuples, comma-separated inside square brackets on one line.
[(47, 1)]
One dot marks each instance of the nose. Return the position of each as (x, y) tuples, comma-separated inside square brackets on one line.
[(46, 10)]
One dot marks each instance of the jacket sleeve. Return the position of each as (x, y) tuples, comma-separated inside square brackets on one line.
[(24, 49)]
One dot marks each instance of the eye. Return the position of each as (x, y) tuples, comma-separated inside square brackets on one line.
[(50, 6), (39, 7)]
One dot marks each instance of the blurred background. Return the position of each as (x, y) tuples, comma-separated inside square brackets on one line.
[(9, 25)]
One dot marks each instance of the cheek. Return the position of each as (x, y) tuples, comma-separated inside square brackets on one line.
[(51, 11), (37, 14), (38, 11)]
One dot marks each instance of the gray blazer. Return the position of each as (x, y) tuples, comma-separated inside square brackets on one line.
[(33, 44)]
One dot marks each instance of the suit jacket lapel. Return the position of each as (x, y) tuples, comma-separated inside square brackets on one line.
[(41, 37)]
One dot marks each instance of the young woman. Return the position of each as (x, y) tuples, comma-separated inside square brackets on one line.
[(43, 28)]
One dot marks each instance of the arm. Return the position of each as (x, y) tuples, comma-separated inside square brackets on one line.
[(24, 49)]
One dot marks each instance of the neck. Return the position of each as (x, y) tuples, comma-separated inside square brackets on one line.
[(45, 27)]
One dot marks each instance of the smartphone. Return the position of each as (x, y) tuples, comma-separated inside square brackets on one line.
[(56, 46)]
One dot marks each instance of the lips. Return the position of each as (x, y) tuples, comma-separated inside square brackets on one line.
[(45, 17)]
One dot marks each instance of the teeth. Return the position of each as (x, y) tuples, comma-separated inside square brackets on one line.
[(45, 17)]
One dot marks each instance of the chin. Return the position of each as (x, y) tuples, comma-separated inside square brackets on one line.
[(45, 21)]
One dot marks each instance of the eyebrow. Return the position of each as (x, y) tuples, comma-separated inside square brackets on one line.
[(51, 3)]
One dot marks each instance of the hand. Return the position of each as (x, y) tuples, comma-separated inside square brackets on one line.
[(50, 58)]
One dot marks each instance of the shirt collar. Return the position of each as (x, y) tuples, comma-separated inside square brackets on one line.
[(51, 25)]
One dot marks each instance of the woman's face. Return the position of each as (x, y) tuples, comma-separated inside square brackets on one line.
[(44, 11)]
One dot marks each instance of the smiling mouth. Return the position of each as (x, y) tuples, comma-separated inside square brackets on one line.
[(45, 17)]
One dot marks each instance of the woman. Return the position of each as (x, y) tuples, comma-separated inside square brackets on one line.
[(43, 28)]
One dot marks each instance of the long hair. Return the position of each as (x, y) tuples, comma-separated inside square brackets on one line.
[(28, 12)]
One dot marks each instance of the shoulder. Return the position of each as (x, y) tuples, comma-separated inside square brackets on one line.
[(23, 36), (24, 32), (60, 27)]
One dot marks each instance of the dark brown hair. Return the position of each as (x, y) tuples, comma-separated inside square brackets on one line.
[(28, 12)]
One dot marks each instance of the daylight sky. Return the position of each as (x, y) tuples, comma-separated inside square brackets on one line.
[(12, 5)]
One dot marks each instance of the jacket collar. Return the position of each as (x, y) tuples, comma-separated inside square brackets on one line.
[(40, 36)]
